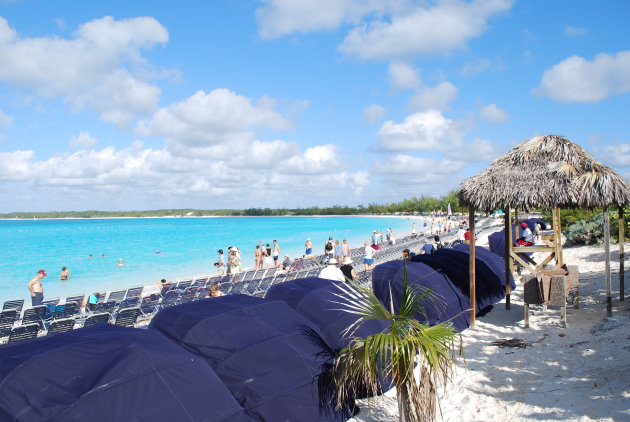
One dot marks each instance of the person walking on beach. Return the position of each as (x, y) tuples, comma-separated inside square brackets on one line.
[(309, 248), (413, 229), (257, 258), (345, 248), (65, 274), (338, 250), (35, 287), (276, 254), (267, 257), (234, 262), (329, 248), (368, 257), (220, 263)]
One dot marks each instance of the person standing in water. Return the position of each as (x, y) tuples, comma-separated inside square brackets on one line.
[(65, 274), (35, 287)]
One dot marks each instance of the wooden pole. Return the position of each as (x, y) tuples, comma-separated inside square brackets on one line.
[(471, 269), (560, 257), (622, 239), (607, 253), (508, 256)]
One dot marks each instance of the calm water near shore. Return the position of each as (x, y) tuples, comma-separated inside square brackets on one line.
[(187, 247)]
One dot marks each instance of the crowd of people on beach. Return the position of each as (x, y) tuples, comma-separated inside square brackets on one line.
[(336, 253)]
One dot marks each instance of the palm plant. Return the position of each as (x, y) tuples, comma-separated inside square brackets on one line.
[(393, 353)]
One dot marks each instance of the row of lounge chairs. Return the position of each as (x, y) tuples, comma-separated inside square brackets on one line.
[(127, 307)]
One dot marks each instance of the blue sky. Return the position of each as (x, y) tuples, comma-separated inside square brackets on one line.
[(124, 105)]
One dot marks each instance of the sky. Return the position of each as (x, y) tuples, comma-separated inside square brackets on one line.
[(140, 105)]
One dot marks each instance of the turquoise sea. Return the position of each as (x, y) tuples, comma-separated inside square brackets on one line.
[(187, 247)]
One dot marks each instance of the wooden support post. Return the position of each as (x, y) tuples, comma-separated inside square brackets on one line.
[(607, 253), (471, 269), (508, 256), (559, 257), (622, 239)]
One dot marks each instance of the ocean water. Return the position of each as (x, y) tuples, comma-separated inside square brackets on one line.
[(187, 247)]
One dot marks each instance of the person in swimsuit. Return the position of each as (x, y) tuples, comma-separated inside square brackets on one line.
[(35, 287), (276, 254), (65, 274), (345, 248), (257, 258), (309, 248)]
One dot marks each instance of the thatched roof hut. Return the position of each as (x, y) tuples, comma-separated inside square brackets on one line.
[(545, 172)]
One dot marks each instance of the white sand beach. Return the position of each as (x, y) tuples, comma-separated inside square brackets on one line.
[(579, 373)]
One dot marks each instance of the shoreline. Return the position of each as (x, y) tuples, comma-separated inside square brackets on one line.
[(228, 216)]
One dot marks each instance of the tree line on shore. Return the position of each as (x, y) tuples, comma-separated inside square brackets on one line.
[(421, 204)]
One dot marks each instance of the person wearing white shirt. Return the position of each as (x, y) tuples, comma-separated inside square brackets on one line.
[(332, 272)]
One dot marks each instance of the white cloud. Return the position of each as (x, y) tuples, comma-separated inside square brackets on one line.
[(579, 80), (373, 113), (407, 175), (617, 155), (215, 124), (403, 75), (315, 160), (403, 165), (265, 173), (282, 17), (478, 150), (574, 31), (437, 97), (446, 26), (83, 141), (422, 131), (5, 121), (494, 114), (92, 69)]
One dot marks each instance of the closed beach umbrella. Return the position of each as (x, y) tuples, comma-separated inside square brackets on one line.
[(263, 350), (490, 287), (106, 373), (319, 300), (451, 305)]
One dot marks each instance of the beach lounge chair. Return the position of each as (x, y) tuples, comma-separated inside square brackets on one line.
[(7, 319), (14, 304), (293, 275), (63, 311), (35, 315), (94, 319), (101, 307), (188, 295), (134, 292), (53, 301), (78, 299), (183, 285), (263, 286), (199, 282), (169, 299), (127, 317), (23, 332), (131, 302), (116, 296), (149, 305), (61, 326)]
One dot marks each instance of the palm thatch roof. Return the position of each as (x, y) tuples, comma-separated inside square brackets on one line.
[(545, 172)]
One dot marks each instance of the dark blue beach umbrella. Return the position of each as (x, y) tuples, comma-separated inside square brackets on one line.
[(318, 300), (452, 305), (269, 356), (106, 373), (489, 274)]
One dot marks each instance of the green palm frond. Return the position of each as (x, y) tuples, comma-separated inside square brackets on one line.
[(393, 353)]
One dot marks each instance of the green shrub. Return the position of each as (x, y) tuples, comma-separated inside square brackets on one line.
[(590, 231)]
